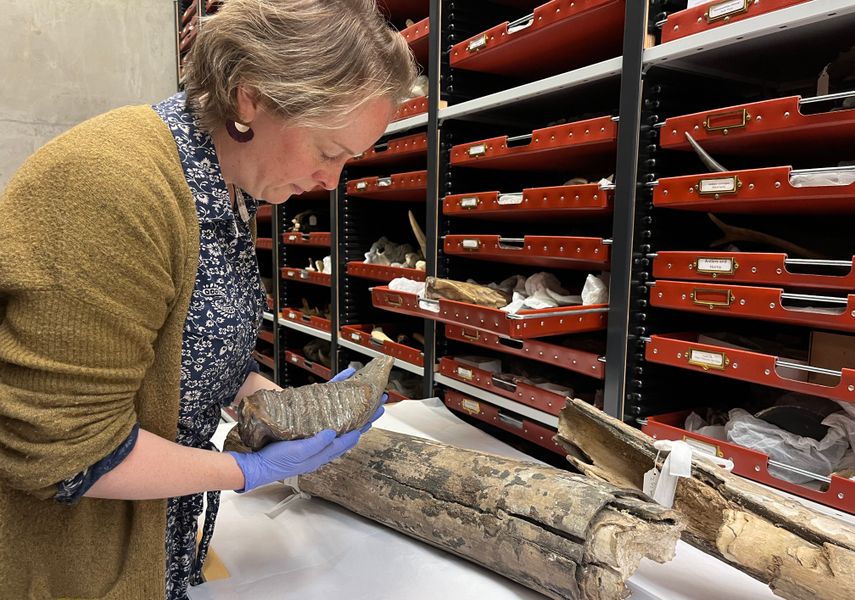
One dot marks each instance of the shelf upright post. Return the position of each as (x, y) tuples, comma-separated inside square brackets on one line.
[(626, 180)]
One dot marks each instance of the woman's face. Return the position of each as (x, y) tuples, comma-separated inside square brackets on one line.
[(282, 161)]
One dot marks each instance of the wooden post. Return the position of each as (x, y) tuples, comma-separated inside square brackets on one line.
[(557, 532), (800, 553)]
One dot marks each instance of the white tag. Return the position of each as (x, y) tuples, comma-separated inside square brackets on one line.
[(510, 199), (292, 315), (651, 477), (724, 9), (717, 186), (468, 202), (477, 43), (355, 336), (477, 150), (715, 265), (361, 185), (706, 359), (471, 406), (384, 182), (464, 373), (471, 244)]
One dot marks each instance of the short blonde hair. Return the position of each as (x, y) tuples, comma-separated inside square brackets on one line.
[(310, 61)]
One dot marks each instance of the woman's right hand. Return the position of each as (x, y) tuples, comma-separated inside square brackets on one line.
[(280, 460)]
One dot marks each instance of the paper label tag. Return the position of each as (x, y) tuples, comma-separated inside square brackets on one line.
[(702, 446), (471, 406), (384, 182), (294, 359), (292, 238), (468, 202), (355, 337), (464, 373), (477, 43), (477, 150), (715, 265), (510, 199), (471, 244), (361, 185), (717, 186), (727, 8), (292, 315), (651, 477), (701, 358)]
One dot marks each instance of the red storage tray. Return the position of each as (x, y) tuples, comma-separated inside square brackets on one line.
[(561, 202), (395, 150), (263, 359), (716, 14), (292, 274), (295, 358), (768, 126), (264, 213), (516, 424), (525, 324), (538, 250), (266, 335), (383, 273), (395, 397), (269, 302), (530, 395), (188, 13), (750, 463), (572, 359), (408, 187), (264, 243), (417, 36), (361, 334), (564, 147), (318, 239), (297, 316), (557, 36), (683, 350), (754, 303), (767, 268), (752, 191), (411, 108)]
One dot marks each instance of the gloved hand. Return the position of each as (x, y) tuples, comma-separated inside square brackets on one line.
[(281, 460), (343, 375)]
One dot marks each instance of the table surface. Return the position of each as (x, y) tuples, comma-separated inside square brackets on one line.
[(316, 549)]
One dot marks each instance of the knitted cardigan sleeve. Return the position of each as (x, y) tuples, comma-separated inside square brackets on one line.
[(92, 252)]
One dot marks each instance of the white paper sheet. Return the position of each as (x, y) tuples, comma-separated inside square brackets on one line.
[(317, 550)]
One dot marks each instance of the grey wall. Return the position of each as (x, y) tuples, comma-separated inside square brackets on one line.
[(63, 61)]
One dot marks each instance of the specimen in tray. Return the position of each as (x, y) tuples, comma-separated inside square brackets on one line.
[(465, 292), (295, 413)]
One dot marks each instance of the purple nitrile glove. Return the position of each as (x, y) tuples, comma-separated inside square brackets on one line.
[(281, 460), (343, 375)]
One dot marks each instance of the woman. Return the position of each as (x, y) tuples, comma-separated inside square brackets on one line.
[(130, 297)]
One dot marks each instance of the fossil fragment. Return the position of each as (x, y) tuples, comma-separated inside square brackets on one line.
[(465, 292), (295, 413)]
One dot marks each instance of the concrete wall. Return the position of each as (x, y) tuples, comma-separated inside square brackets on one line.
[(63, 61)]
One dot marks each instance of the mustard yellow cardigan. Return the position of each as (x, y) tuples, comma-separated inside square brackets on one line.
[(99, 245)]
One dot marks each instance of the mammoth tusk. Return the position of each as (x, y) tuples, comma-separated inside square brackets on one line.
[(708, 160), (417, 231)]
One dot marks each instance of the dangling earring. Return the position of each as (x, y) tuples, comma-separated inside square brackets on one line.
[(239, 132)]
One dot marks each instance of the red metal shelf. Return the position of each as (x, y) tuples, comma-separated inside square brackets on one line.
[(752, 191), (530, 395), (750, 463), (411, 108), (558, 36), (297, 316), (417, 36), (570, 146), (296, 358), (525, 324), (516, 424), (394, 151), (561, 202), (536, 250), (263, 359), (264, 243), (572, 359), (361, 334), (754, 302), (683, 350), (317, 239), (266, 335), (395, 397), (264, 213), (755, 268), (408, 187), (382, 272), (292, 274), (769, 126), (717, 14), (269, 302)]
